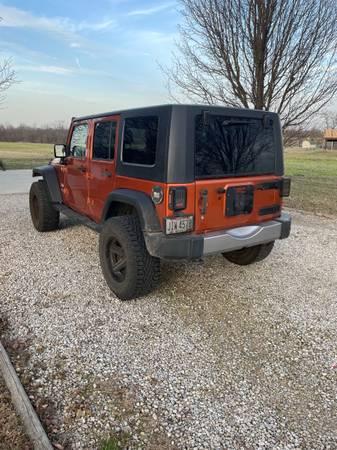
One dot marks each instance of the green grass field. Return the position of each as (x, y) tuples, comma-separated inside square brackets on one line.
[(313, 172), (24, 155), (314, 180)]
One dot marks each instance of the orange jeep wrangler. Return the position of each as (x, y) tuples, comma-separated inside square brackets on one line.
[(168, 182)]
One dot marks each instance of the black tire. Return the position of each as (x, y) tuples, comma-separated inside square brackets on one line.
[(249, 255), (44, 216), (122, 246)]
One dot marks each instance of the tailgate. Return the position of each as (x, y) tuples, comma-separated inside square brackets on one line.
[(233, 202)]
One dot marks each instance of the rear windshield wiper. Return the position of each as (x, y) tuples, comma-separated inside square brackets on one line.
[(235, 122)]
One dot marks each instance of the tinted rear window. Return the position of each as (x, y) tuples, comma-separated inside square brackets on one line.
[(229, 146), (104, 140), (140, 140)]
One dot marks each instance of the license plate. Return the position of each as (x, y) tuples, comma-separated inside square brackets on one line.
[(179, 225)]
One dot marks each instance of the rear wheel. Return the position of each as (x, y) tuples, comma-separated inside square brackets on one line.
[(129, 270), (249, 255), (43, 214)]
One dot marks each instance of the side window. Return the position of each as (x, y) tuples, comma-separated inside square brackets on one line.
[(78, 141), (104, 140), (140, 140)]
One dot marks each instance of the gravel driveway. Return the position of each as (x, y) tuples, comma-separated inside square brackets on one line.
[(220, 356)]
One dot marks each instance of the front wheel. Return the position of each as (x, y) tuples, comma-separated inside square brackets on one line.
[(129, 270), (43, 214), (249, 255)]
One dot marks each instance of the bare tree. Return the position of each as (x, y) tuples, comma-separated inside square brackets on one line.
[(7, 75), (277, 55), (330, 119), (294, 136)]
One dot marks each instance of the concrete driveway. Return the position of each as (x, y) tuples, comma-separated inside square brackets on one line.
[(15, 181)]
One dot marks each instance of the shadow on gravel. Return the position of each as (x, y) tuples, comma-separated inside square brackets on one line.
[(4, 325), (65, 223)]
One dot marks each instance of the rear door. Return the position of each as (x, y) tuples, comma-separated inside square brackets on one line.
[(229, 202), (102, 164), (76, 168), (235, 183)]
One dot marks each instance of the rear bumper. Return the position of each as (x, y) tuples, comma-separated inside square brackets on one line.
[(191, 246)]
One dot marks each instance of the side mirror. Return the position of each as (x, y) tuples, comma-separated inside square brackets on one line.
[(60, 151)]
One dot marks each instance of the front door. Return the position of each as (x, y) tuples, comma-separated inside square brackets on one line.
[(102, 164), (76, 172)]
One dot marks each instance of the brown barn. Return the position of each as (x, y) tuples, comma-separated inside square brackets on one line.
[(330, 139)]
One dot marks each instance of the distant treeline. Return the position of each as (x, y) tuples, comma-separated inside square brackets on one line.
[(57, 134), (24, 133)]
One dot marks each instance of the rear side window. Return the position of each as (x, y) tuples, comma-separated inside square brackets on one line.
[(104, 140), (78, 143), (232, 146), (140, 140)]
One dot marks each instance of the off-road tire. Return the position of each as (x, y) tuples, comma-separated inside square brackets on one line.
[(249, 255), (43, 214), (142, 271)]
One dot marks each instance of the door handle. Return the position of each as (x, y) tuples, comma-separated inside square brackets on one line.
[(106, 173), (82, 169), (203, 201)]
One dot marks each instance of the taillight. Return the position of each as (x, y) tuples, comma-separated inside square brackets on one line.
[(285, 186), (177, 198)]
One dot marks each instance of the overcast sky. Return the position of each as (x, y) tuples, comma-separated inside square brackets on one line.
[(75, 57)]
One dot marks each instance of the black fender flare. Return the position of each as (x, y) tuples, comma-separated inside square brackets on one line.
[(50, 177), (140, 201)]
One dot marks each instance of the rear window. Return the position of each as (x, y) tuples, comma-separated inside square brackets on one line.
[(230, 146), (140, 140), (104, 140)]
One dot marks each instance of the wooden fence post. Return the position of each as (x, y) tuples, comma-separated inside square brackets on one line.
[(23, 406)]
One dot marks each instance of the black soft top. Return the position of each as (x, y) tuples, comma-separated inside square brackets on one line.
[(176, 139), (181, 107)]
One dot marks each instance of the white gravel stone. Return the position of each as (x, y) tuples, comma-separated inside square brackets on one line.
[(220, 356)]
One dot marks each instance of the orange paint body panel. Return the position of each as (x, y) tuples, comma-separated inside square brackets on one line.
[(97, 187), (163, 208), (101, 174), (215, 218)]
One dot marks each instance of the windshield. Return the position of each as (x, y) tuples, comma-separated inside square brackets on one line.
[(230, 146)]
